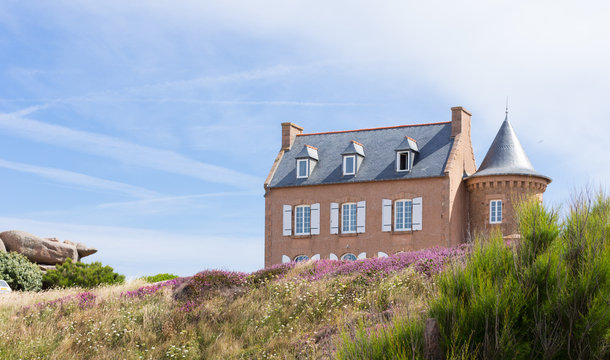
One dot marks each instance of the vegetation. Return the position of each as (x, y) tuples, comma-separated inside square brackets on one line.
[(284, 312), (19, 272), (545, 297), (78, 274), (159, 277)]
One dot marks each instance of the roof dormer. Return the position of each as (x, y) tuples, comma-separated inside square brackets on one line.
[(405, 154), (352, 158), (306, 161)]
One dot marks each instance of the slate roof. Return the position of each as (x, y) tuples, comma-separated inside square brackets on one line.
[(433, 140), (506, 155), (407, 144), (307, 152), (353, 148)]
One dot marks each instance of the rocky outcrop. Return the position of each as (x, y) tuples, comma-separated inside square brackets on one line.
[(81, 248), (37, 249), (2, 247), (47, 267)]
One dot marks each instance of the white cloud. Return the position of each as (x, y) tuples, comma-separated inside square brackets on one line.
[(74, 178), (120, 150)]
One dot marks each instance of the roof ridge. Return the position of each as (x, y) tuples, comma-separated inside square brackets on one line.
[(377, 128)]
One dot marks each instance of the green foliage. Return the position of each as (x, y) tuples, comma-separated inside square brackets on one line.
[(19, 272), (159, 277), (71, 274), (544, 297)]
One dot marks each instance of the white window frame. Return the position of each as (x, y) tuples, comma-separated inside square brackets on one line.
[(353, 220), (299, 162), (396, 223), (353, 157), (495, 217), (408, 162), (302, 221)]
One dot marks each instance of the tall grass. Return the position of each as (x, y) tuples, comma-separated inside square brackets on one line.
[(543, 297)]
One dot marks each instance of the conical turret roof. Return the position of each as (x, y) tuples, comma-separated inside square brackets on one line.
[(506, 155)]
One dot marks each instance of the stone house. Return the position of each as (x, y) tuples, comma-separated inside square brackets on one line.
[(372, 192)]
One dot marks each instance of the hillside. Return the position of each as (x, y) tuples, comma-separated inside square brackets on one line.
[(543, 296), (287, 311)]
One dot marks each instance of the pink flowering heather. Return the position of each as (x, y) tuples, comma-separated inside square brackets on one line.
[(83, 300), (152, 289)]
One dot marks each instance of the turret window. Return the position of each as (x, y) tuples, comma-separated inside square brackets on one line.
[(495, 211)]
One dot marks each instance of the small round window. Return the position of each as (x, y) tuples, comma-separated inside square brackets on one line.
[(301, 258), (348, 256)]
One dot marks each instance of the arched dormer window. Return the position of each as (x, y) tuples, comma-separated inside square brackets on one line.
[(306, 161), (352, 158), (405, 154)]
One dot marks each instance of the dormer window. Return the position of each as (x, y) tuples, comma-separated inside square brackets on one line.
[(402, 161), (306, 161), (405, 154), (349, 165), (352, 158), (302, 168)]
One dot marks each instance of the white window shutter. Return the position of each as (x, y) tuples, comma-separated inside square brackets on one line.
[(315, 219), (287, 220), (417, 213), (386, 215), (333, 257), (362, 255), (285, 259), (334, 218), (361, 217)]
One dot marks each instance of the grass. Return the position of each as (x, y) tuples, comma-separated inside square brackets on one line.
[(287, 311)]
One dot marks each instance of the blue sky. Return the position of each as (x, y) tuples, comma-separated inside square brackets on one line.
[(146, 128)]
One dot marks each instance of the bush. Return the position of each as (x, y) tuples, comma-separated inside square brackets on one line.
[(159, 277), (71, 274), (19, 272)]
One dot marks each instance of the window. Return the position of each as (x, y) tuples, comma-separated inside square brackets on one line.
[(348, 256), (302, 168), (302, 220), (301, 258), (348, 217), (403, 215), (402, 161), (495, 211), (349, 165)]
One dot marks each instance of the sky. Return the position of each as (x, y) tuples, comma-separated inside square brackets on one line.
[(147, 128)]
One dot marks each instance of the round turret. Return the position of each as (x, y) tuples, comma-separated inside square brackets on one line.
[(505, 177)]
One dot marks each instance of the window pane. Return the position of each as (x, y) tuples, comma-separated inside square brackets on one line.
[(345, 213), (493, 211), (306, 219), (302, 168), (353, 217), (399, 215), (349, 164), (499, 211), (299, 220)]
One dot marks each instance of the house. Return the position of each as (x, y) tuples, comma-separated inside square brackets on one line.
[(372, 192)]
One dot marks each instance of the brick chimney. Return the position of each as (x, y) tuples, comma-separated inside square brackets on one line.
[(289, 132), (460, 121)]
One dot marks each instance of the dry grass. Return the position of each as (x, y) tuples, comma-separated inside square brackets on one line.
[(290, 318)]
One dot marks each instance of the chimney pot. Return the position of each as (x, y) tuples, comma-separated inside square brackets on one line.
[(460, 121)]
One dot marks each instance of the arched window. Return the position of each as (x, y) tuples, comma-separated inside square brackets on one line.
[(300, 258), (349, 256)]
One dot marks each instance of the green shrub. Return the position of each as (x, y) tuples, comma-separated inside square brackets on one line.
[(71, 274), (19, 272), (159, 277)]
